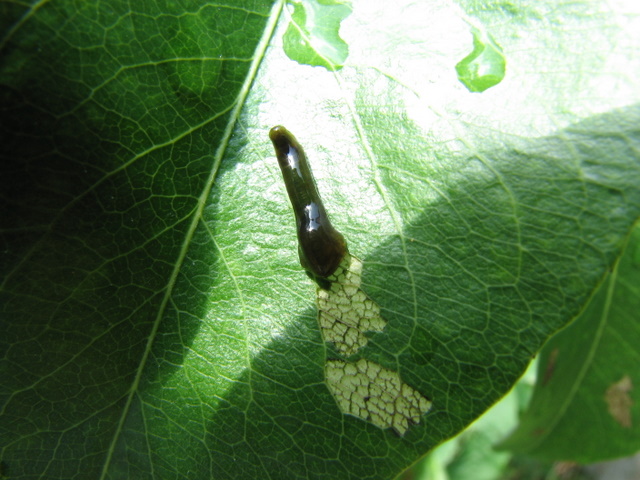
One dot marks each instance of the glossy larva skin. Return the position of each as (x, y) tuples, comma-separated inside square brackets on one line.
[(320, 246)]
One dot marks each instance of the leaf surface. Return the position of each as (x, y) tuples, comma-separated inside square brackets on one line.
[(588, 377), (156, 320)]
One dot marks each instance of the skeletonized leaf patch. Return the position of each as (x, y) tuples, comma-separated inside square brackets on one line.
[(345, 311), (375, 394), (363, 389)]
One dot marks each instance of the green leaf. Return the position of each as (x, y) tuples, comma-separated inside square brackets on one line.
[(471, 454), (156, 320), (588, 376), (484, 67), (312, 37)]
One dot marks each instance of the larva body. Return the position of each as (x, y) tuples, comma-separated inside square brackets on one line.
[(320, 246)]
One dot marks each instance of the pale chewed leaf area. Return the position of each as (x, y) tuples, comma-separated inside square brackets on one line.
[(345, 311), (363, 389), (373, 393)]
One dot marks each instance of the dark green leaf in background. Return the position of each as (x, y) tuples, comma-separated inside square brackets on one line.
[(155, 319), (585, 406)]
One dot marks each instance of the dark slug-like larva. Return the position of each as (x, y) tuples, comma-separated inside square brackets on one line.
[(320, 246)]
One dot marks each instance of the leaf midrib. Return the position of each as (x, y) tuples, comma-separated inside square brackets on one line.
[(239, 102)]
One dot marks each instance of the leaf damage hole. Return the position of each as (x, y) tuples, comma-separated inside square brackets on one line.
[(619, 401)]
